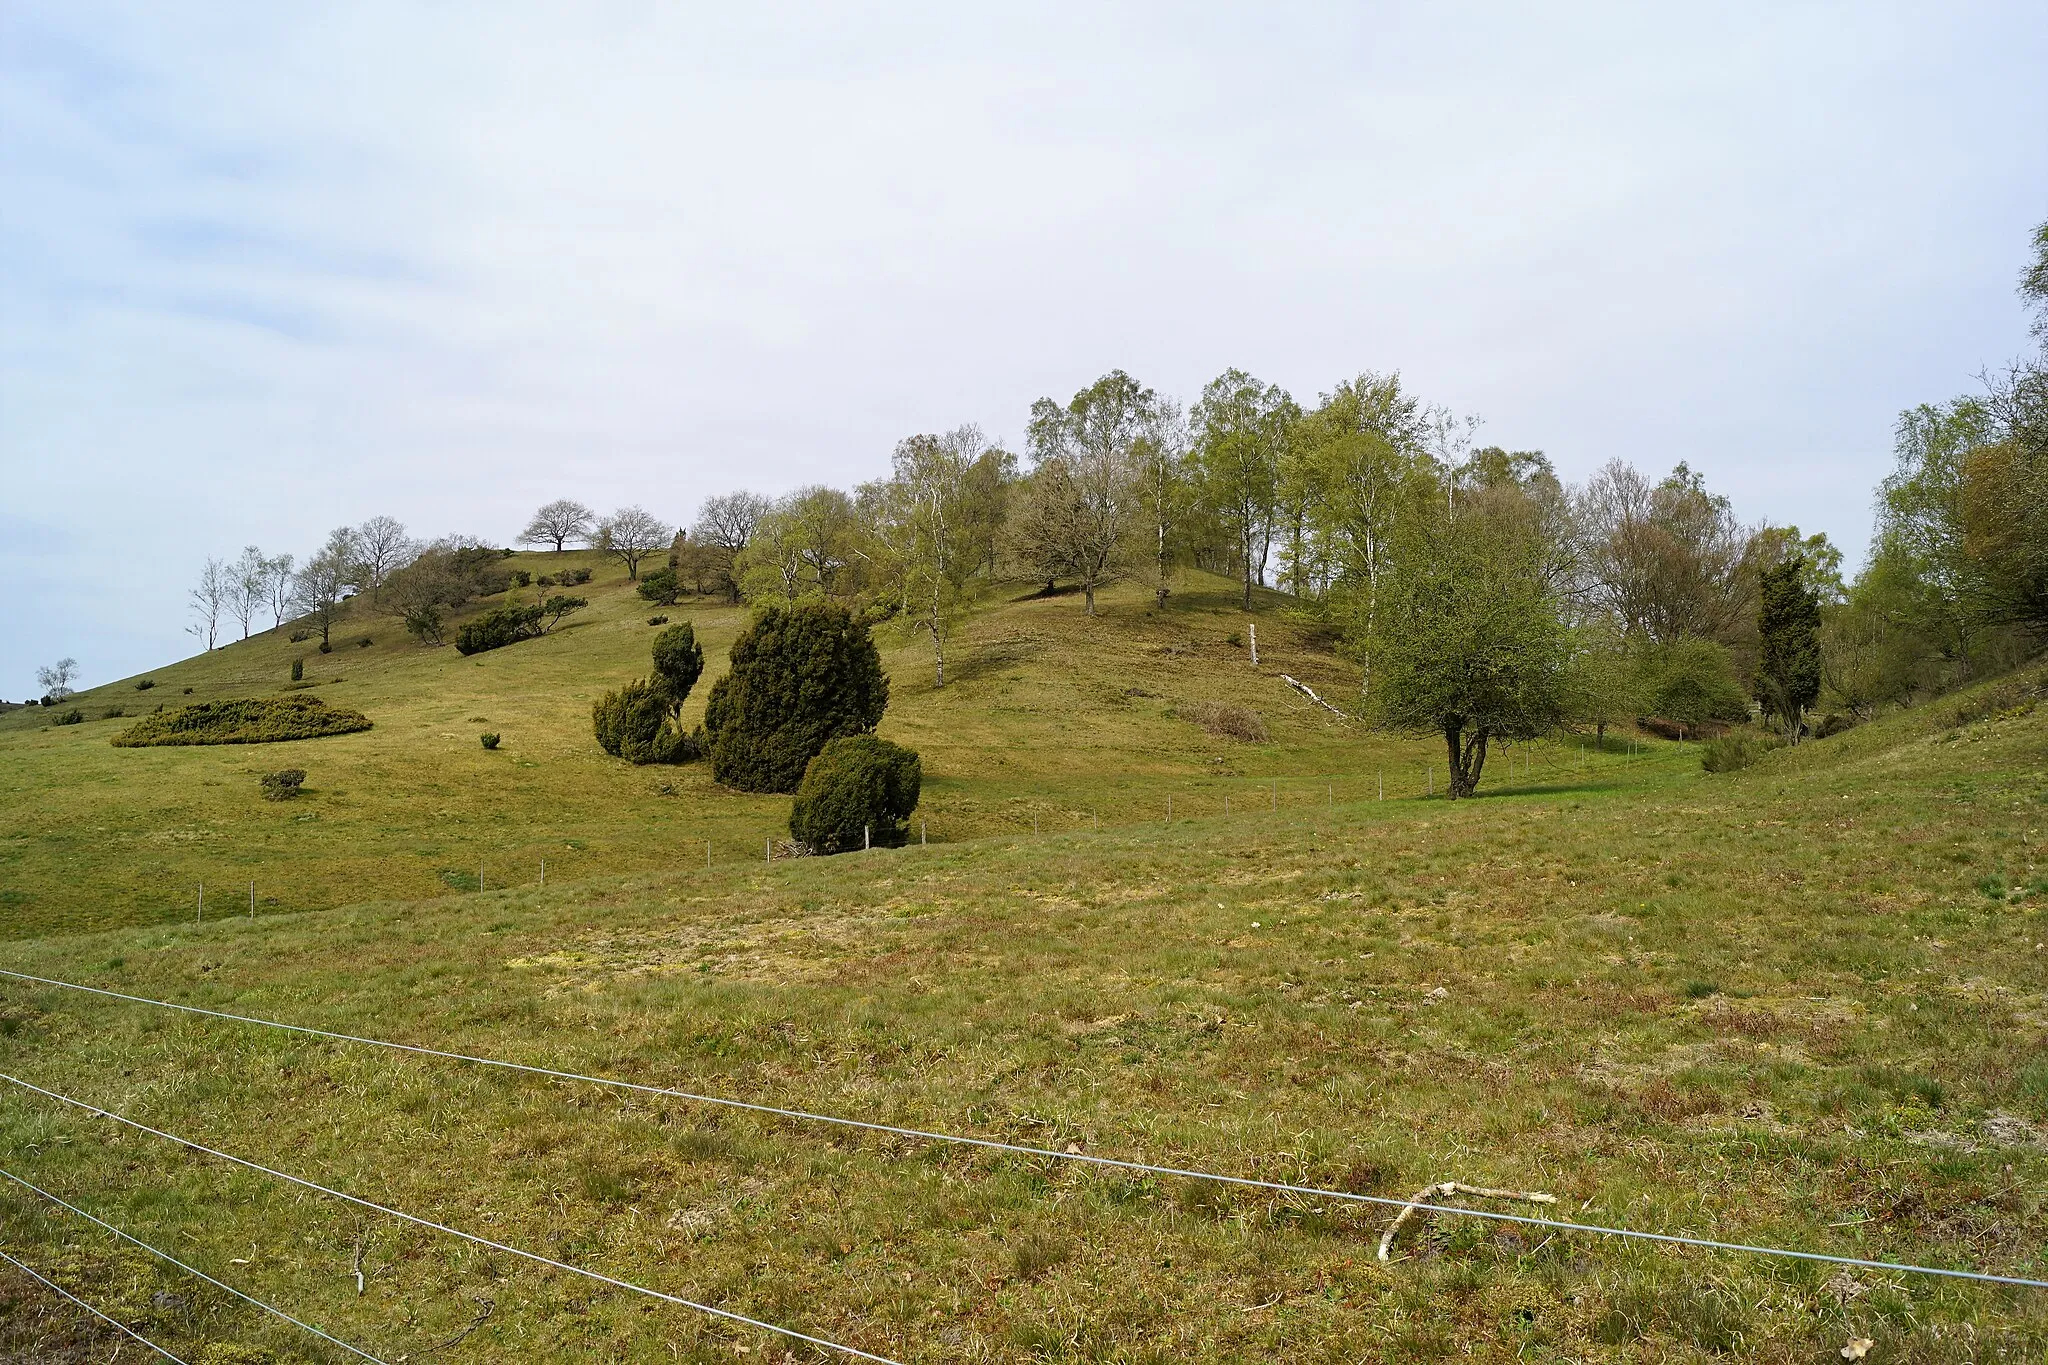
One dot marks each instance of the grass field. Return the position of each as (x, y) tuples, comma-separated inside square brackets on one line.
[(1050, 717), (1803, 1005)]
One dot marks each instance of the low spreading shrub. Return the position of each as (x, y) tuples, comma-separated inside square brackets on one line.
[(326, 648), (71, 717), (365, 642), (859, 789), (503, 626), (145, 684), (657, 620), (522, 578), (1735, 750), (113, 713), (569, 578), (661, 587), (546, 580), (300, 636), (489, 738), (1227, 719), (253, 720), (1834, 723), (282, 785)]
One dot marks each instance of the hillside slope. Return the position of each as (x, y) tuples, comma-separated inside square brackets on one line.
[(1051, 717), (1802, 1005)]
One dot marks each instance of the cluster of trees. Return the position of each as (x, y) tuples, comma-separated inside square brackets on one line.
[(1957, 582)]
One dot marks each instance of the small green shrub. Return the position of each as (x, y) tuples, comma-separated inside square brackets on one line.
[(145, 684), (326, 648), (113, 713), (858, 789), (546, 580), (657, 620), (188, 691), (365, 642), (569, 578), (661, 587), (300, 636), (71, 717), (490, 739), (253, 720), (522, 578), (282, 785), (1735, 750), (298, 670)]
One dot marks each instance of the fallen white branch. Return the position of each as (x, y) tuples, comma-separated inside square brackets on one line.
[(1444, 1190), (1310, 693)]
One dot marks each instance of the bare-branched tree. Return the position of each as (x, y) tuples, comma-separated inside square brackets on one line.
[(558, 523), (631, 534)]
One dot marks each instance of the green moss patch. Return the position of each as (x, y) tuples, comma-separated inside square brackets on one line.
[(254, 720)]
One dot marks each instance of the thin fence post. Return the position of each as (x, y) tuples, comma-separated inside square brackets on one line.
[(923, 832), (479, 878), (867, 838), (1430, 790), (1276, 796), (768, 850), (200, 917), (252, 898), (1330, 794), (1226, 806), (543, 871), (1382, 785)]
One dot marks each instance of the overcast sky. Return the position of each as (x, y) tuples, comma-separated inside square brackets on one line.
[(271, 268)]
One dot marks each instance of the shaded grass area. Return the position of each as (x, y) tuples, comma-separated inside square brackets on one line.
[(1775, 1006), (1054, 722)]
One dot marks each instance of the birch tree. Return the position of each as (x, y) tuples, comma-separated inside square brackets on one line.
[(211, 600), (1094, 439), (1241, 429)]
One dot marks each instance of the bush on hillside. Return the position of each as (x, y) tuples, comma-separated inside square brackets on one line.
[(253, 720), (661, 587), (489, 739), (657, 620), (1227, 719), (642, 722), (569, 578), (298, 670), (145, 684), (800, 676), (72, 717), (1692, 684), (859, 788), (1734, 751), (497, 628), (282, 785)]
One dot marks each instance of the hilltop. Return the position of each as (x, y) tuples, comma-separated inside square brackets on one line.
[(1804, 1004)]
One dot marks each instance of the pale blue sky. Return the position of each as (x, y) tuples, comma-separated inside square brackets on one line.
[(269, 268)]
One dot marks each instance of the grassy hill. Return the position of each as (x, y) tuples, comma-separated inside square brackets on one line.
[(1804, 1005), (1050, 717)]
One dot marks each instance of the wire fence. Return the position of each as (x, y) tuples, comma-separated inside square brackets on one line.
[(166, 1256), (1084, 1158), (119, 1326)]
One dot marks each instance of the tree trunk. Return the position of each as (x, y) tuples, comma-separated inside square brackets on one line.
[(1467, 758), (1088, 591)]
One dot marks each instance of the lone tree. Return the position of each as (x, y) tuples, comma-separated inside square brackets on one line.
[(1788, 643), (1471, 642), (56, 679), (1091, 452), (323, 581), (800, 676), (631, 534), (382, 548), (642, 722), (558, 523)]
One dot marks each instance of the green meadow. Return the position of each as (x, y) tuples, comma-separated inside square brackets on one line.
[(1802, 1005)]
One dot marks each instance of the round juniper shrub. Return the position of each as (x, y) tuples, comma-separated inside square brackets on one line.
[(800, 676), (859, 788), (638, 723)]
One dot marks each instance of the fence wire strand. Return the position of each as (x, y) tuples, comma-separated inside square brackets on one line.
[(271, 1309), (48, 1283), (1086, 1158), (433, 1226)]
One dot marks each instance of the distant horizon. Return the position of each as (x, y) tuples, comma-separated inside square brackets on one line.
[(268, 272)]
